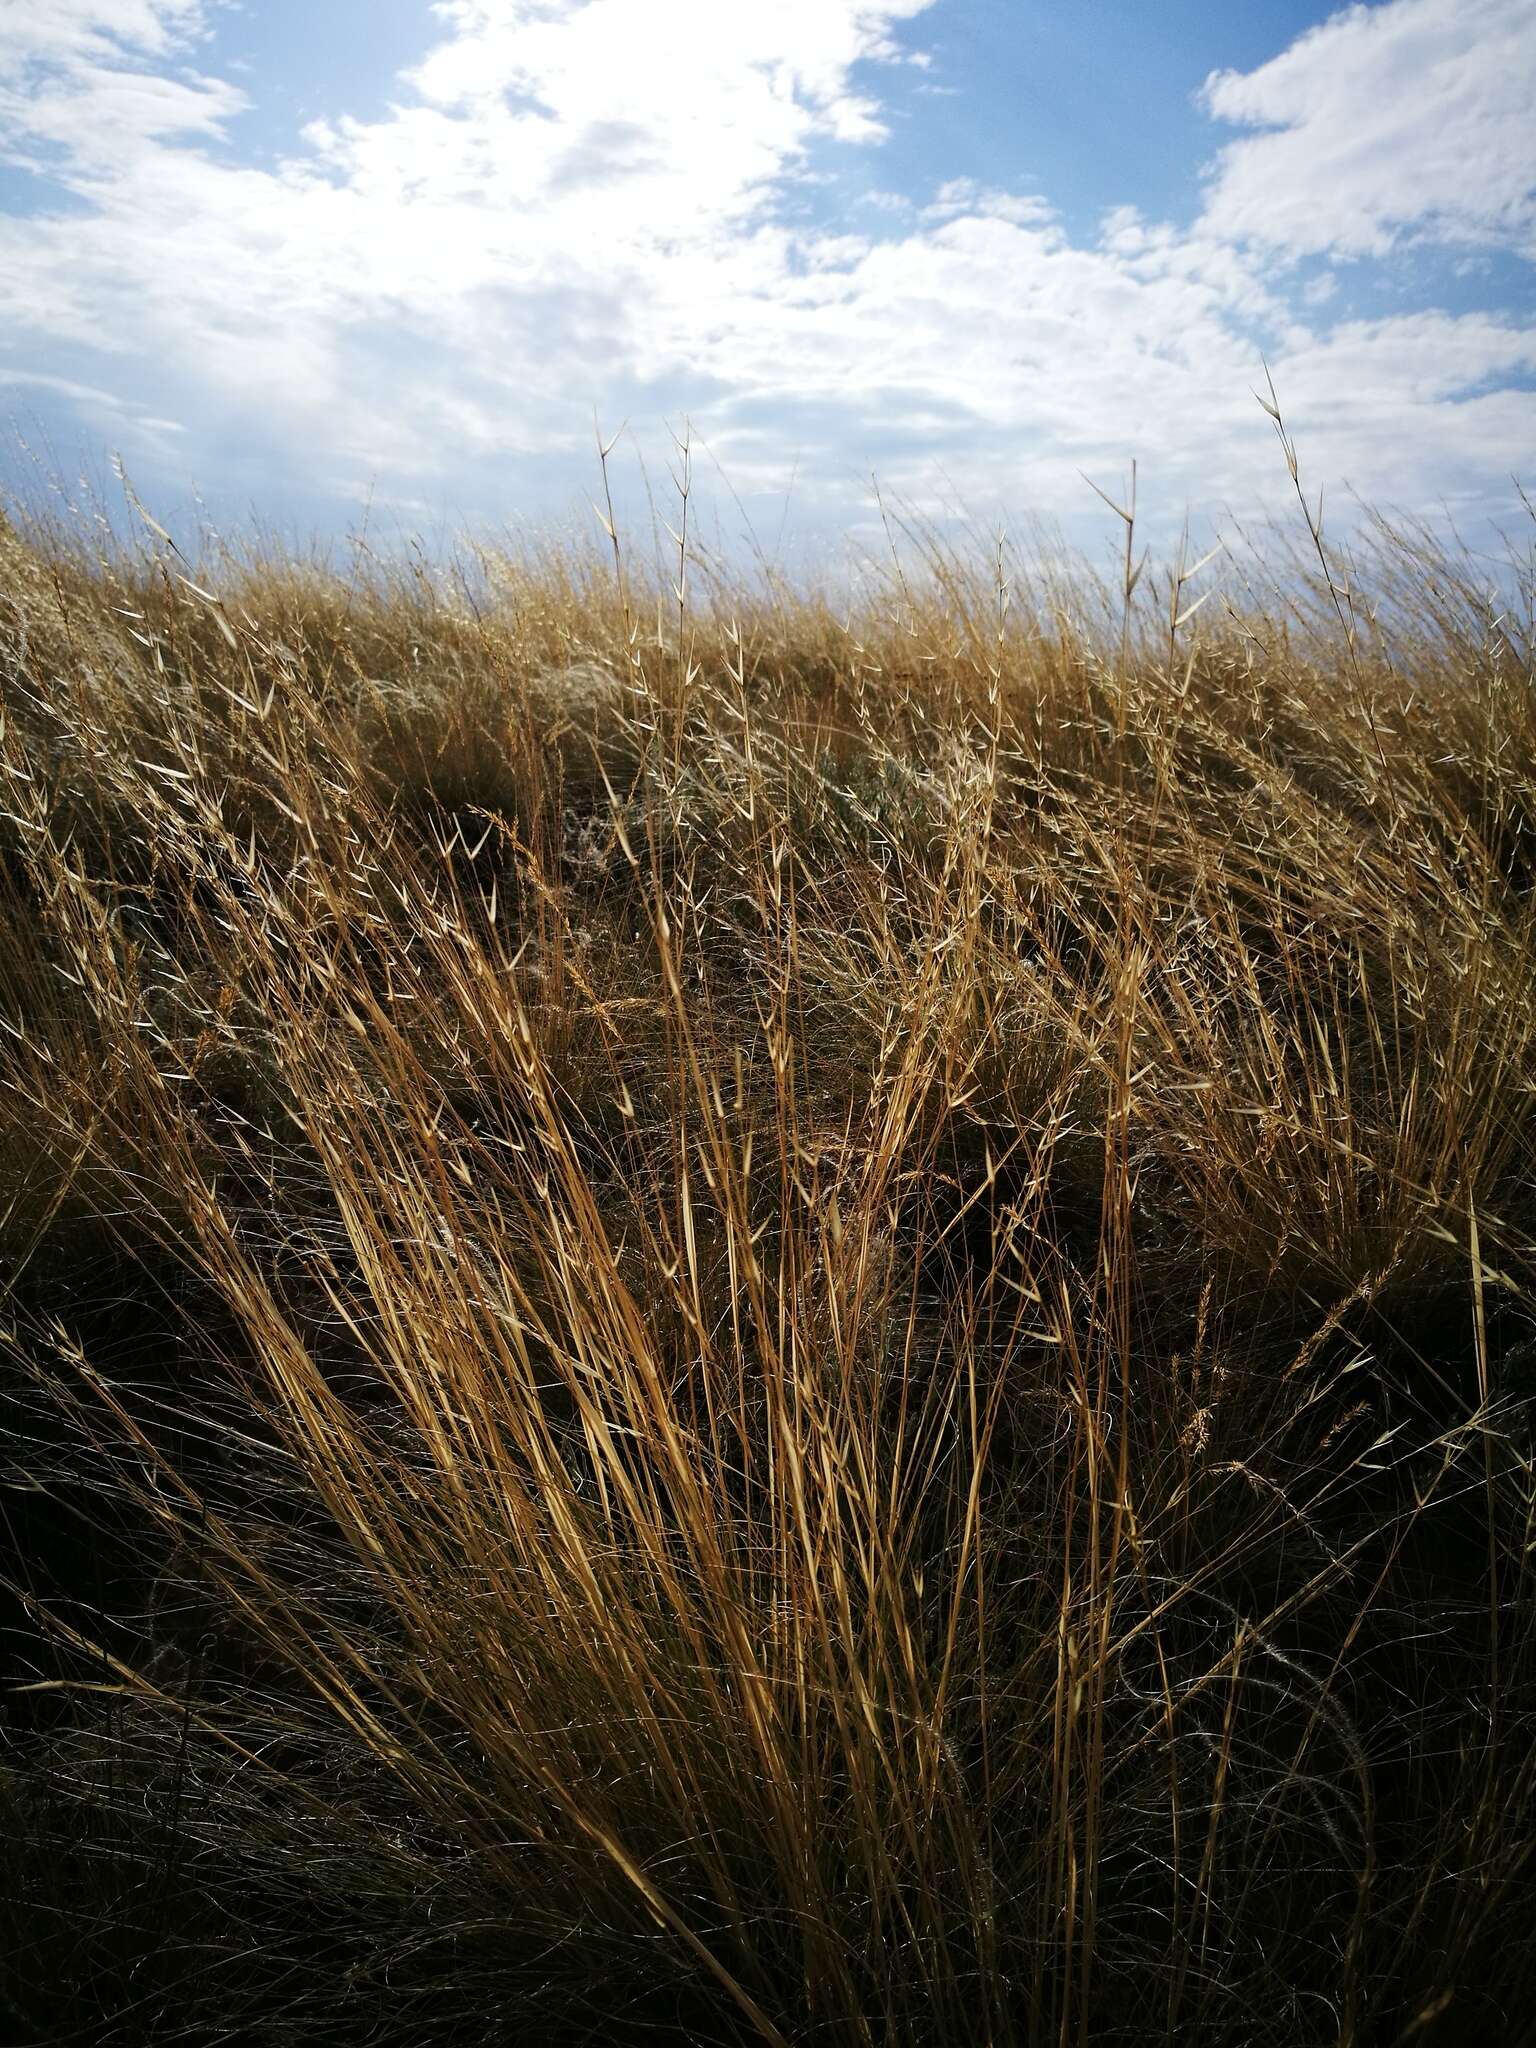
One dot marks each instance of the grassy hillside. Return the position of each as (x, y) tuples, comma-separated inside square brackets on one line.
[(732, 1323)]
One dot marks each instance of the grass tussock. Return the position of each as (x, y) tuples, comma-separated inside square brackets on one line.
[(733, 1323)]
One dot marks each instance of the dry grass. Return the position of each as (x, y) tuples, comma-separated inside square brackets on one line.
[(737, 1325)]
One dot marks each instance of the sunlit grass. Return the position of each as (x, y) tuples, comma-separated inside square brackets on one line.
[(756, 1325)]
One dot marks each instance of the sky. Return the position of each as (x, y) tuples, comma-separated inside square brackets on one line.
[(398, 261)]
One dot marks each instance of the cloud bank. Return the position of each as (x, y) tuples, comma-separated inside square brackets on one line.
[(579, 204)]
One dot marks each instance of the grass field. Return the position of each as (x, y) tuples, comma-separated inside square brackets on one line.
[(736, 1322)]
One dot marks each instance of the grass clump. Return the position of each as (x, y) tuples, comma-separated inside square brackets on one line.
[(735, 1326)]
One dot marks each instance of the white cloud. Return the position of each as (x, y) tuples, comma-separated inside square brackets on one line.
[(1411, 117), (72, 77), (579, 202), (75, 31), (958, 196), (572, 188), (146, 432)]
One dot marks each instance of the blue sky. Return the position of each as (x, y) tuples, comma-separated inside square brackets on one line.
[(305, 257)]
